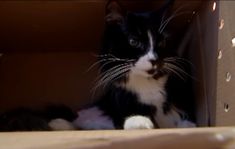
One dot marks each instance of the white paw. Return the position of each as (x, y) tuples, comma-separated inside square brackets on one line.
[(138, 122), (61, 124), (186, 124)]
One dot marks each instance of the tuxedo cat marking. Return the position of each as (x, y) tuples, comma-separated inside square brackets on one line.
[(135, 66)]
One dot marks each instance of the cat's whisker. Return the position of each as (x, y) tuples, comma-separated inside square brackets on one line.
[(179, 70), (105, 64), (179, 61), (175, 68), (107, 81), (121, 75), (112, 56), (103, 74), (175, 14), (103, 55), (172, 70), (113, 77), (98, 62), (164, 21), (113, 69), (105, 77), (110, 60)]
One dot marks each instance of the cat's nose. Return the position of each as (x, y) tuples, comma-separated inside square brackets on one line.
[(153, 61), (152, 55)]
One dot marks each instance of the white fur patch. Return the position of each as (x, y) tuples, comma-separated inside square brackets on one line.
[(138, 122), (93, 118), (150, 91), (143, 64), (61, 124), (151, 45)]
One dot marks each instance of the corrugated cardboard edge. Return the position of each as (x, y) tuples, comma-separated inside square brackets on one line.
[(225, 105)]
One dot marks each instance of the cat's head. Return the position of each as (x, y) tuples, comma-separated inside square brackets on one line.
[(135, 42)]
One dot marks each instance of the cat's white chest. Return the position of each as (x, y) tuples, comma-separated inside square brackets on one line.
[(150, 91)]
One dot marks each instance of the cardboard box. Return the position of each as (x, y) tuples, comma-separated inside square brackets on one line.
[(46, 47)]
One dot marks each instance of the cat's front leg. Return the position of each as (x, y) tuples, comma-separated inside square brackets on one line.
[(138, 122), (172, 119)]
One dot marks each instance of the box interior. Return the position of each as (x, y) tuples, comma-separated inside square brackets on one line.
[(47, 46)]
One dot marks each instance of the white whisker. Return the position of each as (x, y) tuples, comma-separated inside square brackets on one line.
[(175, 13), (113, 69), (168, 67), (178, 60), (114, 77), (112, 56), (110, 60), (106, 77), (165, 23), (100, 61)]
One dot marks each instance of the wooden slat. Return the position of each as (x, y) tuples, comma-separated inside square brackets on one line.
[(204, 138)]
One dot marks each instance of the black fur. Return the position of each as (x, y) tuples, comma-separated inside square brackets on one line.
[(119, 104), (27, 119), (23, 119)]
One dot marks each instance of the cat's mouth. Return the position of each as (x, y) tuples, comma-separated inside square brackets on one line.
[(157, 70), (156, 73), (152, 71)]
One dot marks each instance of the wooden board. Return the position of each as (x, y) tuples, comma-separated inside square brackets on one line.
[(203, 138)]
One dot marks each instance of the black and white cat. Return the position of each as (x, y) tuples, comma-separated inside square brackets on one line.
[(135, 67)]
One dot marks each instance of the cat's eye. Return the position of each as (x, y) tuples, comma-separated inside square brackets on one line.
[(135, 43)]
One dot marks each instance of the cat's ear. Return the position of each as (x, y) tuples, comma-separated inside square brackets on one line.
[(114, 12)]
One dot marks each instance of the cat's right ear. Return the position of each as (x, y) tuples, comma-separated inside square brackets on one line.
[(114, 12)]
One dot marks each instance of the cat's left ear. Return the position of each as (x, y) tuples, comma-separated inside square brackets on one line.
[(114, 12)]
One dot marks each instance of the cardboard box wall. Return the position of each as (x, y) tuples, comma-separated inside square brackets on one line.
[(48, 45)]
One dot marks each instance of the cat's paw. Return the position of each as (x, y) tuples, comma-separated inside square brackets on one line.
[(186, 124), (138, 122), (61, 124)]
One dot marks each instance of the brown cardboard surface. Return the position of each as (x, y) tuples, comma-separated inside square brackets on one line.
[(203, 138), (200, 45), (226, 64), (50, 25), (36, 79), (71, 25), (207, 39)]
